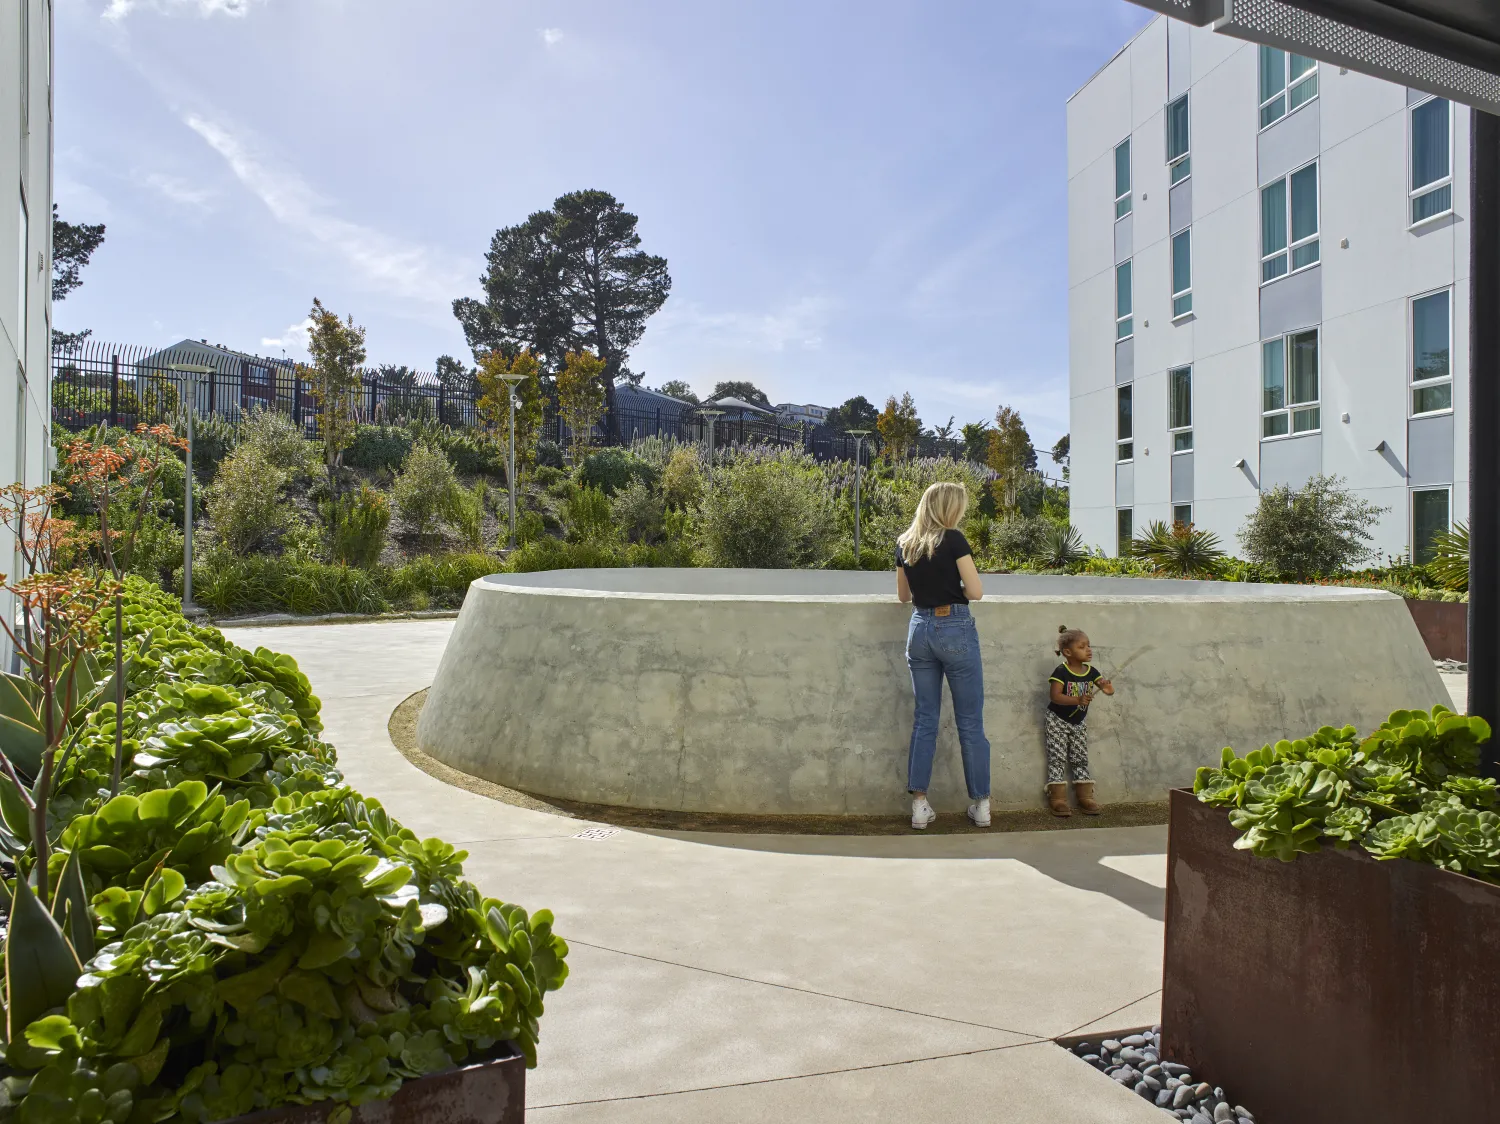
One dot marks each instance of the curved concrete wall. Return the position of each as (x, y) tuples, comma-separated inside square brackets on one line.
[(787, 691)]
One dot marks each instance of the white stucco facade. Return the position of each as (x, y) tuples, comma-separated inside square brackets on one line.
[(1343, 295), (25, 247)]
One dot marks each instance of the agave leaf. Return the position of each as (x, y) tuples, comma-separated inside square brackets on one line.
[(13, 810), (70, 909), (41, 968)]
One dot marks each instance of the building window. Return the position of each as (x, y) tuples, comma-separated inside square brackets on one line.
[(1124, 323), (1122, 178), (1124, 447), (1431, 350), (1182, 273), (22, 287), (1287, 82), (1429, 518), (1182, 514), (1180, 408), (25, 67), (1124, 531), (1431, 160), (1289, 385), (1179, 161), (1289, 223)]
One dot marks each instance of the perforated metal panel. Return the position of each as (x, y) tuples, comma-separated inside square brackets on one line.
[(1328, 40), (1197, 12)]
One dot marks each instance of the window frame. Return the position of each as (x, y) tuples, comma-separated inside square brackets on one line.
[(1125, 322), (1411, 513), (1180, 165), (1179, 507), (1181, 310), (1124, 530), (1125, 442), (1413, 383), (1289, 250), (1283, 93), (1415, 194), (1289, 409), (1177, 432), (1126, 198)]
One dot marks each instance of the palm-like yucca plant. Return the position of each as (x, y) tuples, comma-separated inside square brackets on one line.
[(1180, 550), (1450, 566), (1063, 547)]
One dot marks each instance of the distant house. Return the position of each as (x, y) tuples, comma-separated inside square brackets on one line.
[(240, 381), (642, 412), (792, 414)]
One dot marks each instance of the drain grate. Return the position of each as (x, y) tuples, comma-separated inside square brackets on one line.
[(597, 833)]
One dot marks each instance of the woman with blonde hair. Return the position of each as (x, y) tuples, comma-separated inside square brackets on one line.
[(935, 572)]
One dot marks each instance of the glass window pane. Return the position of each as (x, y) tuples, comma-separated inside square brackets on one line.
[(1182, 513), (1177, 129), (1429, 516), (1274, 425), (1182, 305), (1273, 268), (1182, 262), (1124, 531), (1124, 451), (1122, 207), (1122, 289), (1273, 375), (1305, 254), (1182, 169), (1122, 413), (1273, 111), (1272, 218), (1304, 363), (1305, 421), (1124, 327), (1272, 72), (1303, 92), (1305, 203), (1430, 344), (1122, 168), (1429, 142), (1425, 399), (1180, 388), (1437, 202), (1182, 442)]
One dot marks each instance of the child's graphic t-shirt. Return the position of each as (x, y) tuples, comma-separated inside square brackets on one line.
[(1074, 685)]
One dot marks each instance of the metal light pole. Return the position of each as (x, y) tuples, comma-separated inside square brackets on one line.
[(191, 370), (510, 466), (711, 415), (859, 436)]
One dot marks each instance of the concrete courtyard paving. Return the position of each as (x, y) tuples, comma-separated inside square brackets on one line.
[(745, 978)]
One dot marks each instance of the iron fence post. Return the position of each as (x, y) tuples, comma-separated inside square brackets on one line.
[(1484, 422), (114, 391)]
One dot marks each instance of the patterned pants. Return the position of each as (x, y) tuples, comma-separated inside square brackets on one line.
[(1067, 745)]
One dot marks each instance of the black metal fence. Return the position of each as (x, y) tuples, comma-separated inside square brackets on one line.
[(132, 385)]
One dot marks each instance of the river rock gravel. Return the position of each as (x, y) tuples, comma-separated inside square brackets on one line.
[(1135, 1062)]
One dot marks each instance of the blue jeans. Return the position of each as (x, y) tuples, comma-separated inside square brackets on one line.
[(935, 647)]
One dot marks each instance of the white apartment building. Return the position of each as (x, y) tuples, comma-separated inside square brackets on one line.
[(793, 413), (25, 248), (1268, 279)]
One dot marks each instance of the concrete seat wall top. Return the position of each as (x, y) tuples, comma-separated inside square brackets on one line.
[(787, 692)]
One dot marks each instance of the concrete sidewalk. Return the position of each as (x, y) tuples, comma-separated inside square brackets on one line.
[(747, 978)]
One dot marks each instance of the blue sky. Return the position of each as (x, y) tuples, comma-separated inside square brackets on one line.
[(853, 198)]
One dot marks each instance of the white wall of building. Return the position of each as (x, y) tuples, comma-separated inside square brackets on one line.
[(1359, 296)]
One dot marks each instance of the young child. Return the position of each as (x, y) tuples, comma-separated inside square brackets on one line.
[(1072, 687)]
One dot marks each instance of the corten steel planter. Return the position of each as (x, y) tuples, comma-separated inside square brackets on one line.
[(1333, 988), (1444, 626), (487, 1090)]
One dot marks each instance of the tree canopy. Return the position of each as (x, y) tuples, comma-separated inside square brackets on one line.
[(742, 389), (678, 389), (899, 427), (855, 413), (337, 350), (1062, 450), (569, 279), (1011, 455), (73, 244)]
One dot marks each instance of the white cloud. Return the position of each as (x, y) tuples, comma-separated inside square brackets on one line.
[(404, 270), (118, 9), (551, 35), (179, 190), (293, 338), (796, 324)]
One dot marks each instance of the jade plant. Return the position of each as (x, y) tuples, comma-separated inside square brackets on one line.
[(1409, 790), (236, 928)]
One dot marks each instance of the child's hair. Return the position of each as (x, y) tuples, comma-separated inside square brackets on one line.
[(940, 510), (1067, 637)]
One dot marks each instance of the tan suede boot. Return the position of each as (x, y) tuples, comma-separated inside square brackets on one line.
[(1057, 800), (1084, 791)]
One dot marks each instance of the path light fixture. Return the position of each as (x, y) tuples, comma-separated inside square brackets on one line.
[(511, 379), (711, 415), (859, 436), (191, 370)]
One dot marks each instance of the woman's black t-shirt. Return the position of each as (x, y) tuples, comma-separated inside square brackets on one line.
[(934, 580)]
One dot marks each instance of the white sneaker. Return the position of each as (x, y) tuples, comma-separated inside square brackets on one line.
[(979, 812), (921, 812)]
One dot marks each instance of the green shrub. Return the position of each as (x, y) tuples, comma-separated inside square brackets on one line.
[(869, 559), (587, 516), (437, 580), (261, 583), (466, 510), (472, 453), (279, 438), (1179, 551), (376, 447), (1022, 538), (357, 524), (1450, 567), (530, 526), (1063, 547), (549, 454), (614, 470), (555, 554), (423, 491), (775, 512), (1410, 790), (638, 513), (214, 438), (1322, 529), (546, 475), (682, 479), (244, 500), (228, 983)]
